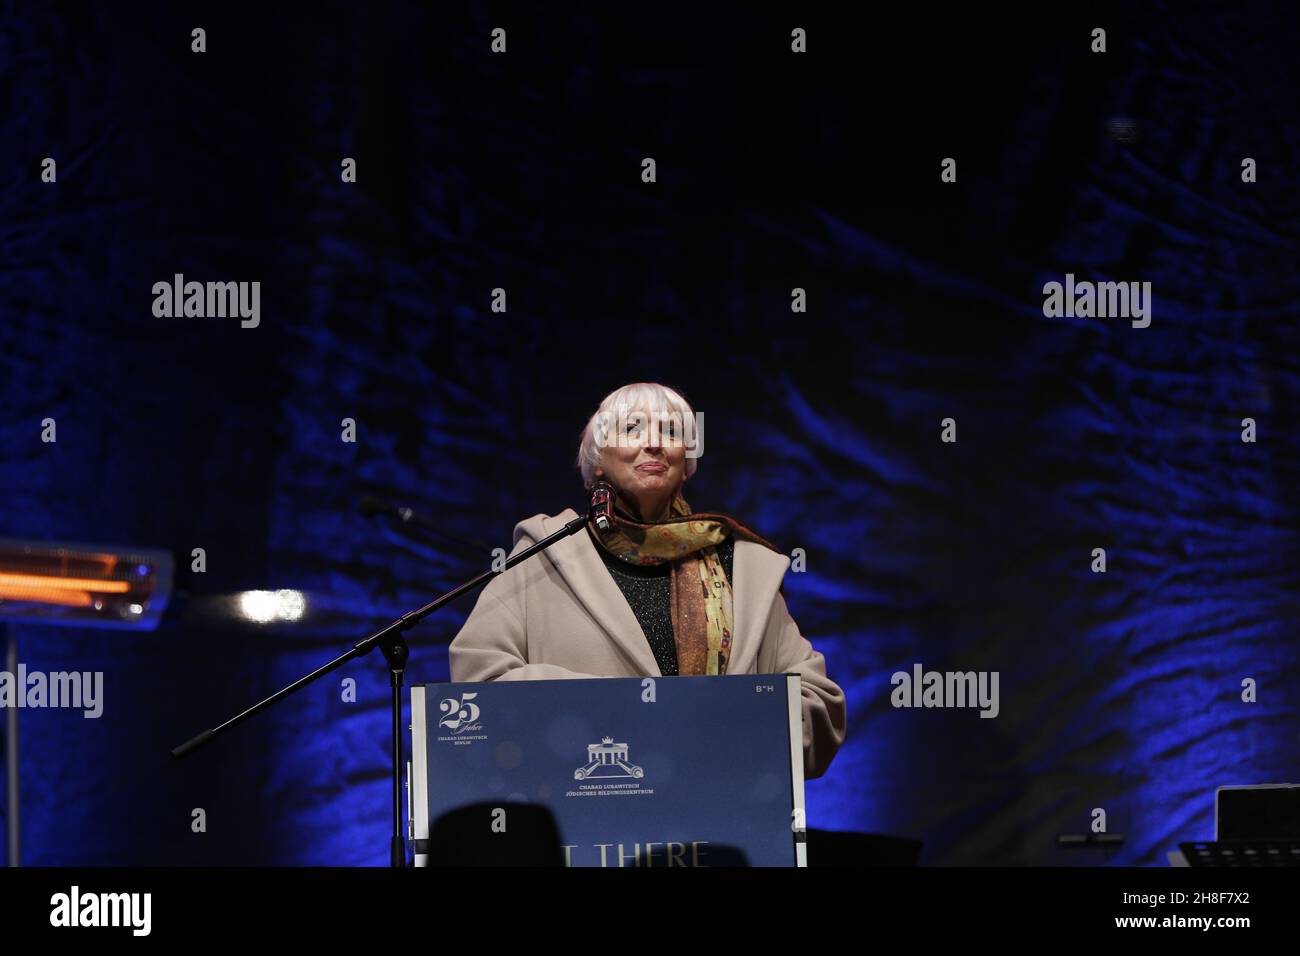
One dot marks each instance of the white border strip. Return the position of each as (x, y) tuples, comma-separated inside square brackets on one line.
[(798, 822), (419, 794)]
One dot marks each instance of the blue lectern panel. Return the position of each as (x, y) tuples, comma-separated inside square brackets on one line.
[(702, 768)]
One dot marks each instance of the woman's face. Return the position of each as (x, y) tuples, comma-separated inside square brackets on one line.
[(647, 464)]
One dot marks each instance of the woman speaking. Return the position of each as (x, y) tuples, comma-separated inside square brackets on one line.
[(662, 591)]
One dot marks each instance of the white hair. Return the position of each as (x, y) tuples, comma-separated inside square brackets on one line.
[(649, 397)]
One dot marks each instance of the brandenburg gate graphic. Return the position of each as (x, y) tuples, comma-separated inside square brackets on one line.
[(607, 759)]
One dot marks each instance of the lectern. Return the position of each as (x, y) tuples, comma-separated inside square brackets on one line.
[(616, 771)]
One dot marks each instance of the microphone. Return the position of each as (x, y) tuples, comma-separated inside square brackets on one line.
[(602, 505), (371, 506)]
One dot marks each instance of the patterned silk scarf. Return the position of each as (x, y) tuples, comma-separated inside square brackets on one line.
[(700, 594)]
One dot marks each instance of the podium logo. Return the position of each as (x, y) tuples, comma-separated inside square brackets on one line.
[(607, 759), (923, 688), (458, 715)]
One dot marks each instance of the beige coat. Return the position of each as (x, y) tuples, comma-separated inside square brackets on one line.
[(561, 615)]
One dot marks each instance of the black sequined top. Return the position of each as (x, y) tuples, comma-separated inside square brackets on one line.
[(647, 590)]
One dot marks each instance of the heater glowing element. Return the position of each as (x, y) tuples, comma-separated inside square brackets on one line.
[(83, 585)]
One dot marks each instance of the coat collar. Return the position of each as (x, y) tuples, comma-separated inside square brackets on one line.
[(756, 570)]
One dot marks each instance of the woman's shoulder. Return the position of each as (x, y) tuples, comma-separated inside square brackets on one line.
[(759, 562), (540, 525)]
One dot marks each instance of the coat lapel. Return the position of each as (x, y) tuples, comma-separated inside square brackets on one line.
[(581, 567), (758, 572)]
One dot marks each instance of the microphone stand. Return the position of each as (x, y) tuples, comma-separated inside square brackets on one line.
[(389, 639)]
